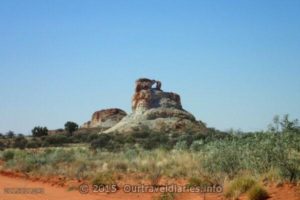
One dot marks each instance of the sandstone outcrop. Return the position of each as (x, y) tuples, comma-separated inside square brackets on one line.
[(105, 119), (154, 110)]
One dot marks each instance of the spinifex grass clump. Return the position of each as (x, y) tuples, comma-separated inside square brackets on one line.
[(257, 193), (104, 179), (239, 186)]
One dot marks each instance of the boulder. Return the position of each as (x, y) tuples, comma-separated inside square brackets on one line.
[(105, 119)]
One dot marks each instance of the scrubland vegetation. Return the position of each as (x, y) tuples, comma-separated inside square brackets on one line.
[(239, 160)]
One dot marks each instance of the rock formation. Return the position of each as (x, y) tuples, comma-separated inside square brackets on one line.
[(154, 110), (105, 119)]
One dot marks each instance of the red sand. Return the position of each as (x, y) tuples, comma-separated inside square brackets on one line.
[(54, 192)]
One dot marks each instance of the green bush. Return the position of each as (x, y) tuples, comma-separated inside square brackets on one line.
[(8, 155)]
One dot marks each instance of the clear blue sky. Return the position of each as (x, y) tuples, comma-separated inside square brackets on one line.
[(234, 63)]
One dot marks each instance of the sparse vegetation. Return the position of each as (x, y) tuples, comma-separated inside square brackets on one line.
[(215, 158)]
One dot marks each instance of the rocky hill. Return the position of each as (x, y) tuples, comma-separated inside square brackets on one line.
[(154, 110)]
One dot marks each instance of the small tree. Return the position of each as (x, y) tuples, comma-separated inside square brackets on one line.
[(289, 125), (70, 127), (39, 131), (10, 134), (284, 125)]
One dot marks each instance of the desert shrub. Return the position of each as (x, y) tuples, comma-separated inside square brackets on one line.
[(140, 134), (129, 139), (29, 163), (34, 143), (131, 154), (104, 179), (197, 181), (187, 138), (20, 142), (56, 140), (64, 156), (101, 142), (155, 175), (45, 143), (113, 146), (120, 166), (8, 155), (197, 145), (239, 186), (81, 170), (222, 157), (170, 144), (257, 193), (2, 146), (155, 140), (181, 145), (80, 137), (92, 137)]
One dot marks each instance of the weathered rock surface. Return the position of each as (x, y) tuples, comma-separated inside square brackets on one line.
[(105, 118), (154, 110)]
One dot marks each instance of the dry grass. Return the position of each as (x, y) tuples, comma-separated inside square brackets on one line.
[(239, 186)]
